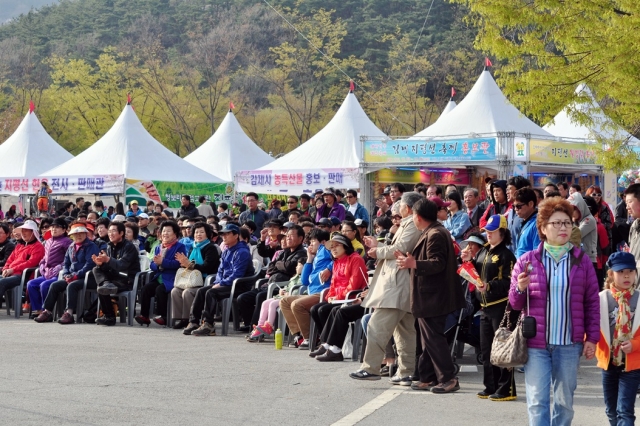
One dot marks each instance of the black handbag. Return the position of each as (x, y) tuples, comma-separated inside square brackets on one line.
[(529, 325)]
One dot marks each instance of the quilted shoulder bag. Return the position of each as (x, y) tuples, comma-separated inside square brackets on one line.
[(509, 348), (188, 278)]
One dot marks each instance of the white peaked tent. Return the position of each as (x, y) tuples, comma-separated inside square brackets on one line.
[(564, 126), (450, 106), (128, 149), (228, 150), (337, 145), (330, 158), (484, 110), (30, 150)]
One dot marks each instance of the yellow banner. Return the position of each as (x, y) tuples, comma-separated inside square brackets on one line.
[(544, 151)]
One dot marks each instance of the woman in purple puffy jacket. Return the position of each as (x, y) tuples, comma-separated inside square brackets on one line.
[(563, 298)]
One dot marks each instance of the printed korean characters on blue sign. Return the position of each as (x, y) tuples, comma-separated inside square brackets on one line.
[(478, 149)]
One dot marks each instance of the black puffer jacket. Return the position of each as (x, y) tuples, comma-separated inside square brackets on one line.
[(494, 266), (190, 210)]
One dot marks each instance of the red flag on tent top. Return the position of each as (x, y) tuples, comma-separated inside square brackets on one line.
[(453, 92), (128, 98), (352, 86), (231, 106), (32, 107), (487, 63)]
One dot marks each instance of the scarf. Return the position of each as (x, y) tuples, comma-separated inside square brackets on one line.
[(557, 252), (196, 253), (622, 329)]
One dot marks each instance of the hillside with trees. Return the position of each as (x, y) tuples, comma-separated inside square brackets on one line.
[(183, 61)]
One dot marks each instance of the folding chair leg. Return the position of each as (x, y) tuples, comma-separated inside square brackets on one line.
[(226, 311), (313, 336), (357, 338)]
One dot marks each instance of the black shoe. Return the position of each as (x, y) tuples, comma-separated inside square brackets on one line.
[(384, 371), (363, 375), (106, 321), (321, 350), (498, 397), (485, 394), (180, 324), (330, 356), (89, 317)]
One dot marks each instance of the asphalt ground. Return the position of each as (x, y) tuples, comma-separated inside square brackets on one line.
[(86, 374)]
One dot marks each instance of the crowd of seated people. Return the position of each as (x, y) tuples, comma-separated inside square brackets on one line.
[(318, 250)]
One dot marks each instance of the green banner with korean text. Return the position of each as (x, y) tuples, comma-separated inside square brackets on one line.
[(158, 191)]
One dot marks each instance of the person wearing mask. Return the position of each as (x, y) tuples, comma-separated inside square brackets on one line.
[(187, 207), (389, 295), (77, 262), (458, 222), (203, 257), (588, 228), (316, 275), (494, 264), (115, 270), (525, 206), (164, 265), (235, 262), (28, 253), (473, 209), (562, 292), (499, 203), (254, 214), (436, 292), (50, 265), (330, 207), (354, 207), (6, 245)]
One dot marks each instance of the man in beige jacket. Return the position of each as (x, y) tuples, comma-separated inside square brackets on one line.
[(390, 296)]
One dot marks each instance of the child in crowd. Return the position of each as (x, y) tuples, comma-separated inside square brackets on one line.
[(269, 306), (618, 351)]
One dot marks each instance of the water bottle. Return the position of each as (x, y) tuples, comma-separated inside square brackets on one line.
[(278, 339)]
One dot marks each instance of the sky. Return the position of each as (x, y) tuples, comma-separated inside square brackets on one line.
[(12, 8)]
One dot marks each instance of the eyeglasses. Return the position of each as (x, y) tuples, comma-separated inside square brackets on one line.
[(558, 224), (292, 202), (350, 196), (518, 206)]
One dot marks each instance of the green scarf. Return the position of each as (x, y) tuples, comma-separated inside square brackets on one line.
[(557, 252)]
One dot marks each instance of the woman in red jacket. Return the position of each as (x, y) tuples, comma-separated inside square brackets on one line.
[(27, 254), (349, 273)]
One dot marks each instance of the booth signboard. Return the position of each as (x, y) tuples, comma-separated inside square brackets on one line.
[(441, 151), (158, 191), (520, 150), (432, 177), (296, 181), (91, 184), (547, 151)]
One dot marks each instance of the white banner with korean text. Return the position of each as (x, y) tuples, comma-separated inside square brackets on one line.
[(295, 182), (94, 184)]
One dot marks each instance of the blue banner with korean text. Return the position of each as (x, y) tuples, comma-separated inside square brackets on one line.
[(416, 151)]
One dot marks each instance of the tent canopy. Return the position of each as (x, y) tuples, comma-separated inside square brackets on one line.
[(485, 109), (228, 150), (30, 151), (564, 125), (128, 149), (336, 146), (450, 106)]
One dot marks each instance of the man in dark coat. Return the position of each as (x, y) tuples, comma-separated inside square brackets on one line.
[(436, 291)]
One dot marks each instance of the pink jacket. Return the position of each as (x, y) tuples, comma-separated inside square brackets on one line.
[(583, 288)]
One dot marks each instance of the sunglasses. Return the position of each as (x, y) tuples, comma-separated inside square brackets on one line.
[(518, 206), (597, 195)]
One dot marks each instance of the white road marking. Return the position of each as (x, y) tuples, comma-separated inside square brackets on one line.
[(371, 406)]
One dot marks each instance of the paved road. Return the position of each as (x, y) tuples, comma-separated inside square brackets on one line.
[(87, 374)]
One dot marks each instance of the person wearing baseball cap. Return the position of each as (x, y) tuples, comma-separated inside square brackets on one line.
[(134, 210), (443, 212), (77, 262), (331, 206), (235, 262), (27, 254)]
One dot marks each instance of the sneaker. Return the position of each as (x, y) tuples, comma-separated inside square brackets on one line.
[(384, 371), (258, 339), (109, 321), (66, 318), (254, 334), (266, 328), (498, 397), (44, 317), (205, 329), (402, 381), (296, 341), (190, 328), (484, 394), (363, 375), (180, 324), (107, 288), (450, 386), (304, 344), (422, 386), (26, 306)]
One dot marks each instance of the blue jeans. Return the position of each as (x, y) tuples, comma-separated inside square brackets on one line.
[(38, 289), (620, 389), (365, 322), (556, 366)]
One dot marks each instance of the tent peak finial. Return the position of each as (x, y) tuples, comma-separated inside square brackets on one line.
[(32, 106), (352, 86), (487, 63), (231, 106), (128, 98)]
